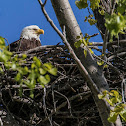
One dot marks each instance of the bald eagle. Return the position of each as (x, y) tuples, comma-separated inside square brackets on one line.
[(29, 39)]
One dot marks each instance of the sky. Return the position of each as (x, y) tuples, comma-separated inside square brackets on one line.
[(17, 14)]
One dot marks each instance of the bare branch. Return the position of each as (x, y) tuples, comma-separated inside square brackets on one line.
[(45, 109), (42, 4), (49, 20), (94, 35)]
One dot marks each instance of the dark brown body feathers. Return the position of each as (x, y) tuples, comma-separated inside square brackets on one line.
[(24, 44)]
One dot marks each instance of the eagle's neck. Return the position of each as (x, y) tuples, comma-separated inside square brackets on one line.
[(29, 35)]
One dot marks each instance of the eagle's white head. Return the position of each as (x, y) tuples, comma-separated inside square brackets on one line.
[(32, 31)]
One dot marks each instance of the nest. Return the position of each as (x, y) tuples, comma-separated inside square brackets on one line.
[(66, 100)]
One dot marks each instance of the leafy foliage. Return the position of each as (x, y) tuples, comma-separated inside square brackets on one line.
[(90, 20), (85, 42), (121, 6), (100, 63), (84, 3), (115, 23), (81, 4), (115, 100), (38, 72), (94, 4)]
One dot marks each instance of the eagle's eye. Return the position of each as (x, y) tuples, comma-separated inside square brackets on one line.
[(35, 29)]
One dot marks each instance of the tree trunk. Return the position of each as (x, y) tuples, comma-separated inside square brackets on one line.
[(66, 18)]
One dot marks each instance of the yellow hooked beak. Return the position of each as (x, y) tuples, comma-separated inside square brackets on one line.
[(40, 31)]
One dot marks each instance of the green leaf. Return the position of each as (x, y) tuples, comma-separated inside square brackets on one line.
[(27, 83), (24, 56), (103, 95), (109, 101), (2, 41), (1, 70), (105, 92), (114, 93), (18, 77), (14, 66), (37, 61), (92, 21), (33, 66), (121, 8), (25, 70), (105, 66), (47, 77), (85, 42), (91, 51), (102, 12), (81, 4), (86, 18), (85, 52), (78, 43), (115, 23), (113, 117), (15, 58), (3, 57), (119, 108), (7, 53), (113, 100), (94, 4), (120, 99), (20, 90), (53, 71), (47, 66), (123, 114), (100, 63), (90, 43), (44, 79), (117, 97), (42, 71), (100, 96), (78, 37), (31, 95)]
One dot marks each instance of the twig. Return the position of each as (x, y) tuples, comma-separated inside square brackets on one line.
[(116, 55), (54, 103), (42, 4), (123, 86), (113, 6), (106, 6), (69, 106), (39, 49), (95, 44), (50, 21), (94, 35), (108, 43), (107, 32), (1, 123), (44, 107)]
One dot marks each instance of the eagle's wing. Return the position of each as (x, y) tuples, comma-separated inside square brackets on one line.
[(14, 46)]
